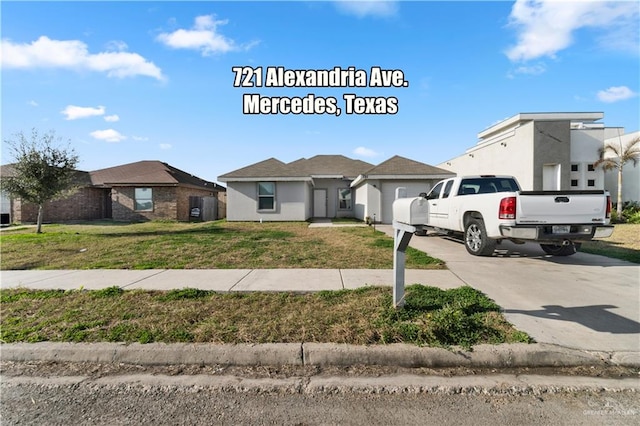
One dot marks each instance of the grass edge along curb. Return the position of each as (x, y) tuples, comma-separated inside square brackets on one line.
[(433, 317)]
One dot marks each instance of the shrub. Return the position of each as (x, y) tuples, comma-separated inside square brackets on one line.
[(630, 213)]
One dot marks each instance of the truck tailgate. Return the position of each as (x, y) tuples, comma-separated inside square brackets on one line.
[(561, 207)]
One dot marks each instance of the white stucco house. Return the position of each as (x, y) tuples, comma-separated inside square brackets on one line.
[(544, 151), (324, 186)]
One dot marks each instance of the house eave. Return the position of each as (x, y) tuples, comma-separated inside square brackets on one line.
[(265, 179), (362, 178), (540, 116)]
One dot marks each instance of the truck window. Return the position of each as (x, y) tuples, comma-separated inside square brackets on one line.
[(486, 185), (435, 192), (447, 189)]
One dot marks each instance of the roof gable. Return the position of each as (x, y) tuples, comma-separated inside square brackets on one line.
[(271, 167), (401, 166)]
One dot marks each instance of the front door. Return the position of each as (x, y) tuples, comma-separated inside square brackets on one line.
[(319, 203)]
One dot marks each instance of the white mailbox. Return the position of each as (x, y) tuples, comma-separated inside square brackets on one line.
[(411, 211)]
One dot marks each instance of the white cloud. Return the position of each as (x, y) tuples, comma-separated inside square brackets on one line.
[(365, 152), (536, 69), (73, 112), (361, 9), (165, 146), (615, 94), (117, 46), (112, 118), (33, 103), (74, 54), (204, 36), (108, 135), (546, 27)]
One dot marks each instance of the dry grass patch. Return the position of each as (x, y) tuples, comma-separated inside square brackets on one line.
[(365, 316), (211, 245)]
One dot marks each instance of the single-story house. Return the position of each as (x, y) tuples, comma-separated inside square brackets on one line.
[(144, 190), (324, 186), (545, 151)]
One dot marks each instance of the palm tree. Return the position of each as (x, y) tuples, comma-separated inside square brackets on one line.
[(619, 155)]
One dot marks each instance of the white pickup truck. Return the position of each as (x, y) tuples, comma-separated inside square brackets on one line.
[(488, 209)]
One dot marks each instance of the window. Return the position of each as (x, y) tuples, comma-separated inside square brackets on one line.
[(447, 189), (344, 198), (574, 182), (487, 184), (574, 168), (266, 196), (435, 192), (143, 199), (591, 168), (591, 182)]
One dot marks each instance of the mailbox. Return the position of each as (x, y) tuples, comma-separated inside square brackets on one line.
[(411, 211)]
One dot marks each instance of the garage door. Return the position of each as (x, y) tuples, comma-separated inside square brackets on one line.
[(388, 195)]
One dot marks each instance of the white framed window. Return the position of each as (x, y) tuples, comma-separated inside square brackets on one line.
[(344, 198), (266, 196), (143, 199)]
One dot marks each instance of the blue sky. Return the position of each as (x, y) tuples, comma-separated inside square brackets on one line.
[(130, 81)]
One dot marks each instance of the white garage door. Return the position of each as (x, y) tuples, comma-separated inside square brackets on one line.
[(389, 194)]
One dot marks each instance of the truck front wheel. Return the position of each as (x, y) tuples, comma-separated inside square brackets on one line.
[(559, 249), (476, 240)]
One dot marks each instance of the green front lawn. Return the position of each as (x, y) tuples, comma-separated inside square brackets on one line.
[(221, 244)]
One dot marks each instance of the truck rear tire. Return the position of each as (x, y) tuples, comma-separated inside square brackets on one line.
[(475, 239), (560, 250)]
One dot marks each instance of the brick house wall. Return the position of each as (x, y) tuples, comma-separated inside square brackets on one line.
[(83, 204), (222, 204), (169, 203), (182, 196), (164, 204)]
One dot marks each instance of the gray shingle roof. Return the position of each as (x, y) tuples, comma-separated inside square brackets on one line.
[(271, 167), (333, 165), (148, 173), (401, 166)]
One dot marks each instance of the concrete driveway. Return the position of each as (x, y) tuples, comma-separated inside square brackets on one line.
[(582, 301)]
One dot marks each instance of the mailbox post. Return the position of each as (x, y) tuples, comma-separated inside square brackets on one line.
[(401, 236), (409, 216)]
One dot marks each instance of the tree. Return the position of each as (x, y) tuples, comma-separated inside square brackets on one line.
[(619, 155), (42, 171)]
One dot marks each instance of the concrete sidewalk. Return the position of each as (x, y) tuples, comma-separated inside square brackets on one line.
[(222, 280)]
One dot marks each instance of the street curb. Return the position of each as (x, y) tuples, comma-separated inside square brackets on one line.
[(155, 353), (316, 354)]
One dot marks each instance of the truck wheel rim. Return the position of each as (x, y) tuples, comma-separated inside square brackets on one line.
[(474, 237)]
